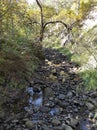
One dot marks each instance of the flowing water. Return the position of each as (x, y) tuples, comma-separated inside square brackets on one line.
[(35, 101)]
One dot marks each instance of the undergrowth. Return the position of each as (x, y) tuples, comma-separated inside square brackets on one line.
[(89, 79)]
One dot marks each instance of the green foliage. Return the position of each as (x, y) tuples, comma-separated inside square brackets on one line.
[(48, 11), (85, 6), (18, 61), (81, 59), (90, 79), (65, 51), (19, 51), (52, 42)]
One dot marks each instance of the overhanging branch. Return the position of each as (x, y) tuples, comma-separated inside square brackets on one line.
[(54, 22)]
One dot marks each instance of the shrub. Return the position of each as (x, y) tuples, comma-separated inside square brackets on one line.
[(80, 59), (89, 78), (18, 61)]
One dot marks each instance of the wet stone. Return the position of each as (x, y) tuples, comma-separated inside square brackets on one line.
[(56, 111)]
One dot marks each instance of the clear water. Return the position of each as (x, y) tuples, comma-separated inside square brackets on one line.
[(54, 111), (35, 99)]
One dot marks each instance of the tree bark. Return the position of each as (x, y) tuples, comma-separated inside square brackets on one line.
[(41, 20)]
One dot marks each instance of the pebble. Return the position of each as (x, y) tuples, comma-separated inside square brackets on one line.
[(69, 94), (48, 92), (67, 127), (18, 129), (73, 122), (44, 109), (94, 127), (2, 114), (93, 101), (56, 122), (15, 121), (61, 96), (90, 106), (45, 127), (29, 124)]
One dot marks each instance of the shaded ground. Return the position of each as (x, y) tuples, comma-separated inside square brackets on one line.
[(54, 99)]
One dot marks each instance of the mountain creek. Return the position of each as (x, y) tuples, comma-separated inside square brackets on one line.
[(54, 100)]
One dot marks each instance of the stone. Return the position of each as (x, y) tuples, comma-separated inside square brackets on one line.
[(45, 127), (15, 121), (52, 77), (84, 124), (75, 110), (61, 104), (18, 129), (69, 94), (67, 127), (56, 111), (48, 92), (59, 128), (93, 101), (93, 94), (8, 127), (50, 104), (61, 96), (91, 115), (94, 127), (90, 106), (73, 122), (2, 114), (44, 109), (29, 124), (56, 122)]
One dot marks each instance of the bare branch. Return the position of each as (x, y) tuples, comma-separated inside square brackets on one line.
[(42, 20), (53, 22), (38, 3), (32, 21)]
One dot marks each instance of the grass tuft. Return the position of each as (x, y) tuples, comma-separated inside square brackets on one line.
[(90, 79)]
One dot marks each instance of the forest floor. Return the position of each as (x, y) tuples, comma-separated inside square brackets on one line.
[(55, 99)]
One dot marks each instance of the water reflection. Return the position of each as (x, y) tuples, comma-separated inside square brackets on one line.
[(54, 111), (35, 99)]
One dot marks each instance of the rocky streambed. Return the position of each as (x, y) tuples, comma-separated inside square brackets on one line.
[(55, 99)]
